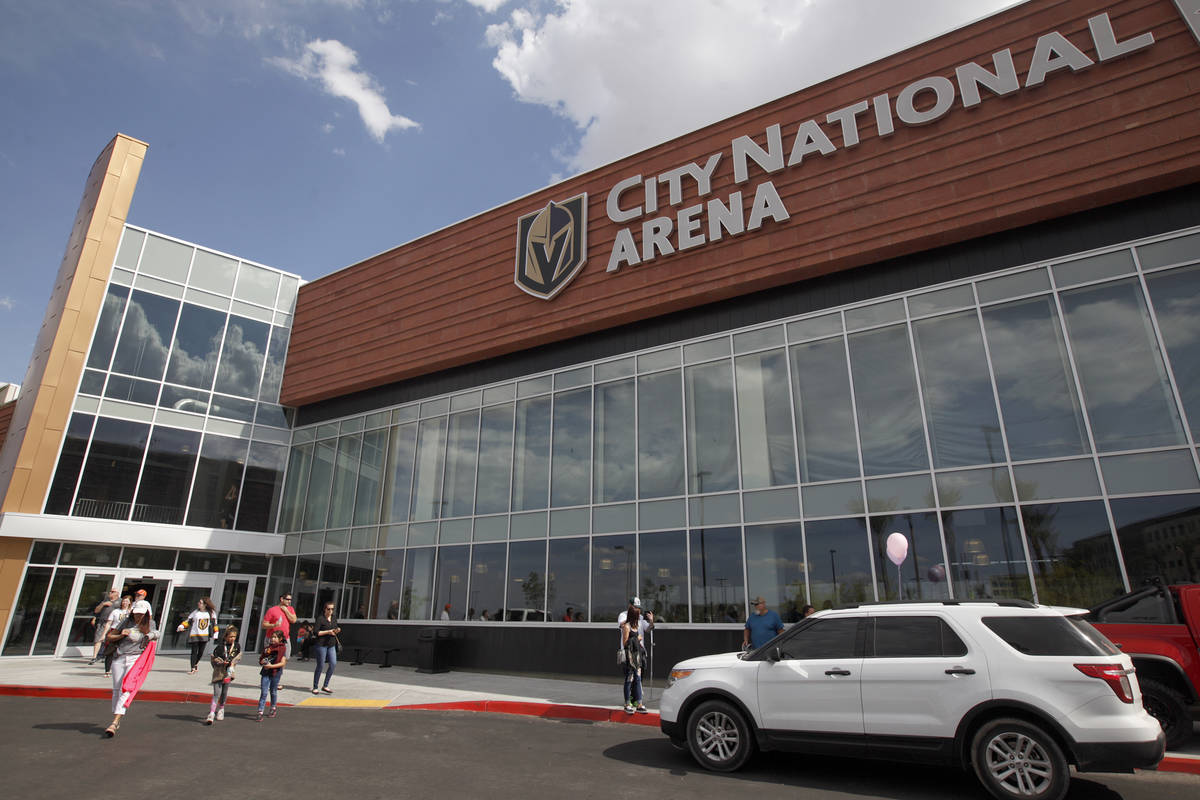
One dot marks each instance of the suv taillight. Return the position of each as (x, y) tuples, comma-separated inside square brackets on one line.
[(1116, 676)]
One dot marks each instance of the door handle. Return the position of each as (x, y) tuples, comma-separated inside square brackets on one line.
[(960, 671), (837, 672)]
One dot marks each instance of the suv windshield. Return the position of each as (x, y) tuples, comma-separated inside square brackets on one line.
[(1051, 636)]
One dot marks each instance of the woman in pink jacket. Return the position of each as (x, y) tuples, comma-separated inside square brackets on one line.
[(133, 637)]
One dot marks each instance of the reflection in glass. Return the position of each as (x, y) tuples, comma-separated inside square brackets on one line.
[(333, 576), (986, 557), (824, 414), (614, 564), (615, 447), (370, 474), (664, 583), (450, 585), (218, 481), (567, 580), (458, 494), (839, 562), (531, 455), (572, 448), (526, 582), (765, 421), (261, 488), (242, 356), (70, 460), (1176, 297), (170, 459), (711, 440), (1160, 537), (718, 591), (660, 435), (1074, 554), (1121, 369), (316, 506), (885, 391), (398, 473), (922, 575), (105, 337), (27, 611), (960, 409), (775, 567), (345, 479), (54, 612), (304, 590), (1042, 415), (131, 390), (389, 570), (273, 370), (416, 597), (427, 479), (146, 336), (487, 581), (296, 489), (495, 459), (111, 472), (196, 346)]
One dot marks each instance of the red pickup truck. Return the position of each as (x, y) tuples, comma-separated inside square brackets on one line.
[(1159, 627)]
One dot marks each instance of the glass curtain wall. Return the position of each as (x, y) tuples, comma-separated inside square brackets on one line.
[(1031, 433)]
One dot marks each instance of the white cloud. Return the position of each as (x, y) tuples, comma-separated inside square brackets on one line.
[(7, 304), (327, 127), (338, 151), (631, 74), (336, 67), (490, 6)]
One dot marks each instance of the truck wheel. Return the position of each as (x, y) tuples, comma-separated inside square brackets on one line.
[(718, 736), (1017, 759), (1170, 709)]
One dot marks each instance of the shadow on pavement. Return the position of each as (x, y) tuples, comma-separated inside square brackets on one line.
[(882, 779), (88, 728)]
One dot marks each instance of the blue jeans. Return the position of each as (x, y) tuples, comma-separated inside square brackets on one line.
[(324, 654), (269, 683), (633, 685)]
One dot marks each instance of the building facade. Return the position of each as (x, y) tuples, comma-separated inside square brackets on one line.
[(950, 294)]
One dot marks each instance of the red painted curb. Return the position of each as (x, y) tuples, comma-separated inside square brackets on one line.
[(530, 709), (82, 693), (1178, 764)]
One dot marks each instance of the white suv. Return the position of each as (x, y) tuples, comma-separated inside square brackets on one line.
[(1014, 690)]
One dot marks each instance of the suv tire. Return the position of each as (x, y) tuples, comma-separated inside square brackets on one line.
[(1017, 759), (718, 736), (1170, 709)]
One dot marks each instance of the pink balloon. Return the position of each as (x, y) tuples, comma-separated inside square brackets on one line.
[(897, 548)]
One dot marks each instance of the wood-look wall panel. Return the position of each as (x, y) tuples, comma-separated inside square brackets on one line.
[(1114, 131)]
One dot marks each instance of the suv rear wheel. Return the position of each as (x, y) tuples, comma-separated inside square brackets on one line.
[(1017, 759), (718, 736)]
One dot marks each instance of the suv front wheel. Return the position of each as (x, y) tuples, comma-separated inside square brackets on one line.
[(1016, 759), (718, 736)]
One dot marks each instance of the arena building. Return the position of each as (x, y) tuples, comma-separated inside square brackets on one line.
[(952, 294)]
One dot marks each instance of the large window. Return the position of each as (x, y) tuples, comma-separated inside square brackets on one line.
[(885, 389), (765, 421), (111, 472), (170, 459), (660, 434), (824, 414)]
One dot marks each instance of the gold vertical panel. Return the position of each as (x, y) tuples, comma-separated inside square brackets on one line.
[(13, 553), (47, 394)]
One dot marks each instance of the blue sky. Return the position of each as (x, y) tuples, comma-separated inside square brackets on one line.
[(311, 134)]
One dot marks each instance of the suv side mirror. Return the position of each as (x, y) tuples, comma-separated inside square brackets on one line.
[(775, 655)]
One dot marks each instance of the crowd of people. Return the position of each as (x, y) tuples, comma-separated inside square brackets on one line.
[(126, 636)]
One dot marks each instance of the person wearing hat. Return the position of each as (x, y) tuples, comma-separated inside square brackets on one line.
[(135, 633), (633, 624), (446, 612), (762, 626)]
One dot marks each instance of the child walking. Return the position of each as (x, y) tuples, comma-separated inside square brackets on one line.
[(272, 659), (225, 657)]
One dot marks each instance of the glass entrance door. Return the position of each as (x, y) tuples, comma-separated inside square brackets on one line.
[(234, 608), (183, 600), (78, 634)]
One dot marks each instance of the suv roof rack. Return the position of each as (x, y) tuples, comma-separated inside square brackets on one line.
[(1011, 603)]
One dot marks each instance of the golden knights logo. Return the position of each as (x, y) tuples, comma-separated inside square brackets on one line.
[(551, 247)]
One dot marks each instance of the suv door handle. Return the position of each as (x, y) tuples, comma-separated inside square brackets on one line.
[(837, 672), (960, 671)]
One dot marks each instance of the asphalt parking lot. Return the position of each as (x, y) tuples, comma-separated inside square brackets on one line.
[(53, 748)]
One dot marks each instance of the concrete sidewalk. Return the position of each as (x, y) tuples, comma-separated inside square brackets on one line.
[(361, 686)]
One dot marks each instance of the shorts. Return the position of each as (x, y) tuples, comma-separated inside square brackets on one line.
[(98, 633)]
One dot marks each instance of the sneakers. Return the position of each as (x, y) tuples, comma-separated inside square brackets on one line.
[(642, 710), (209, 719), (259, 717), (315, 691), (272, 712), (629, 708), (326, 690), (220, 713)]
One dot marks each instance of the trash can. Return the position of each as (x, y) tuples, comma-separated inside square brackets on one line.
[(433, 650)]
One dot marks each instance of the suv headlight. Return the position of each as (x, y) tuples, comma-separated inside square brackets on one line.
[(677, 675)]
